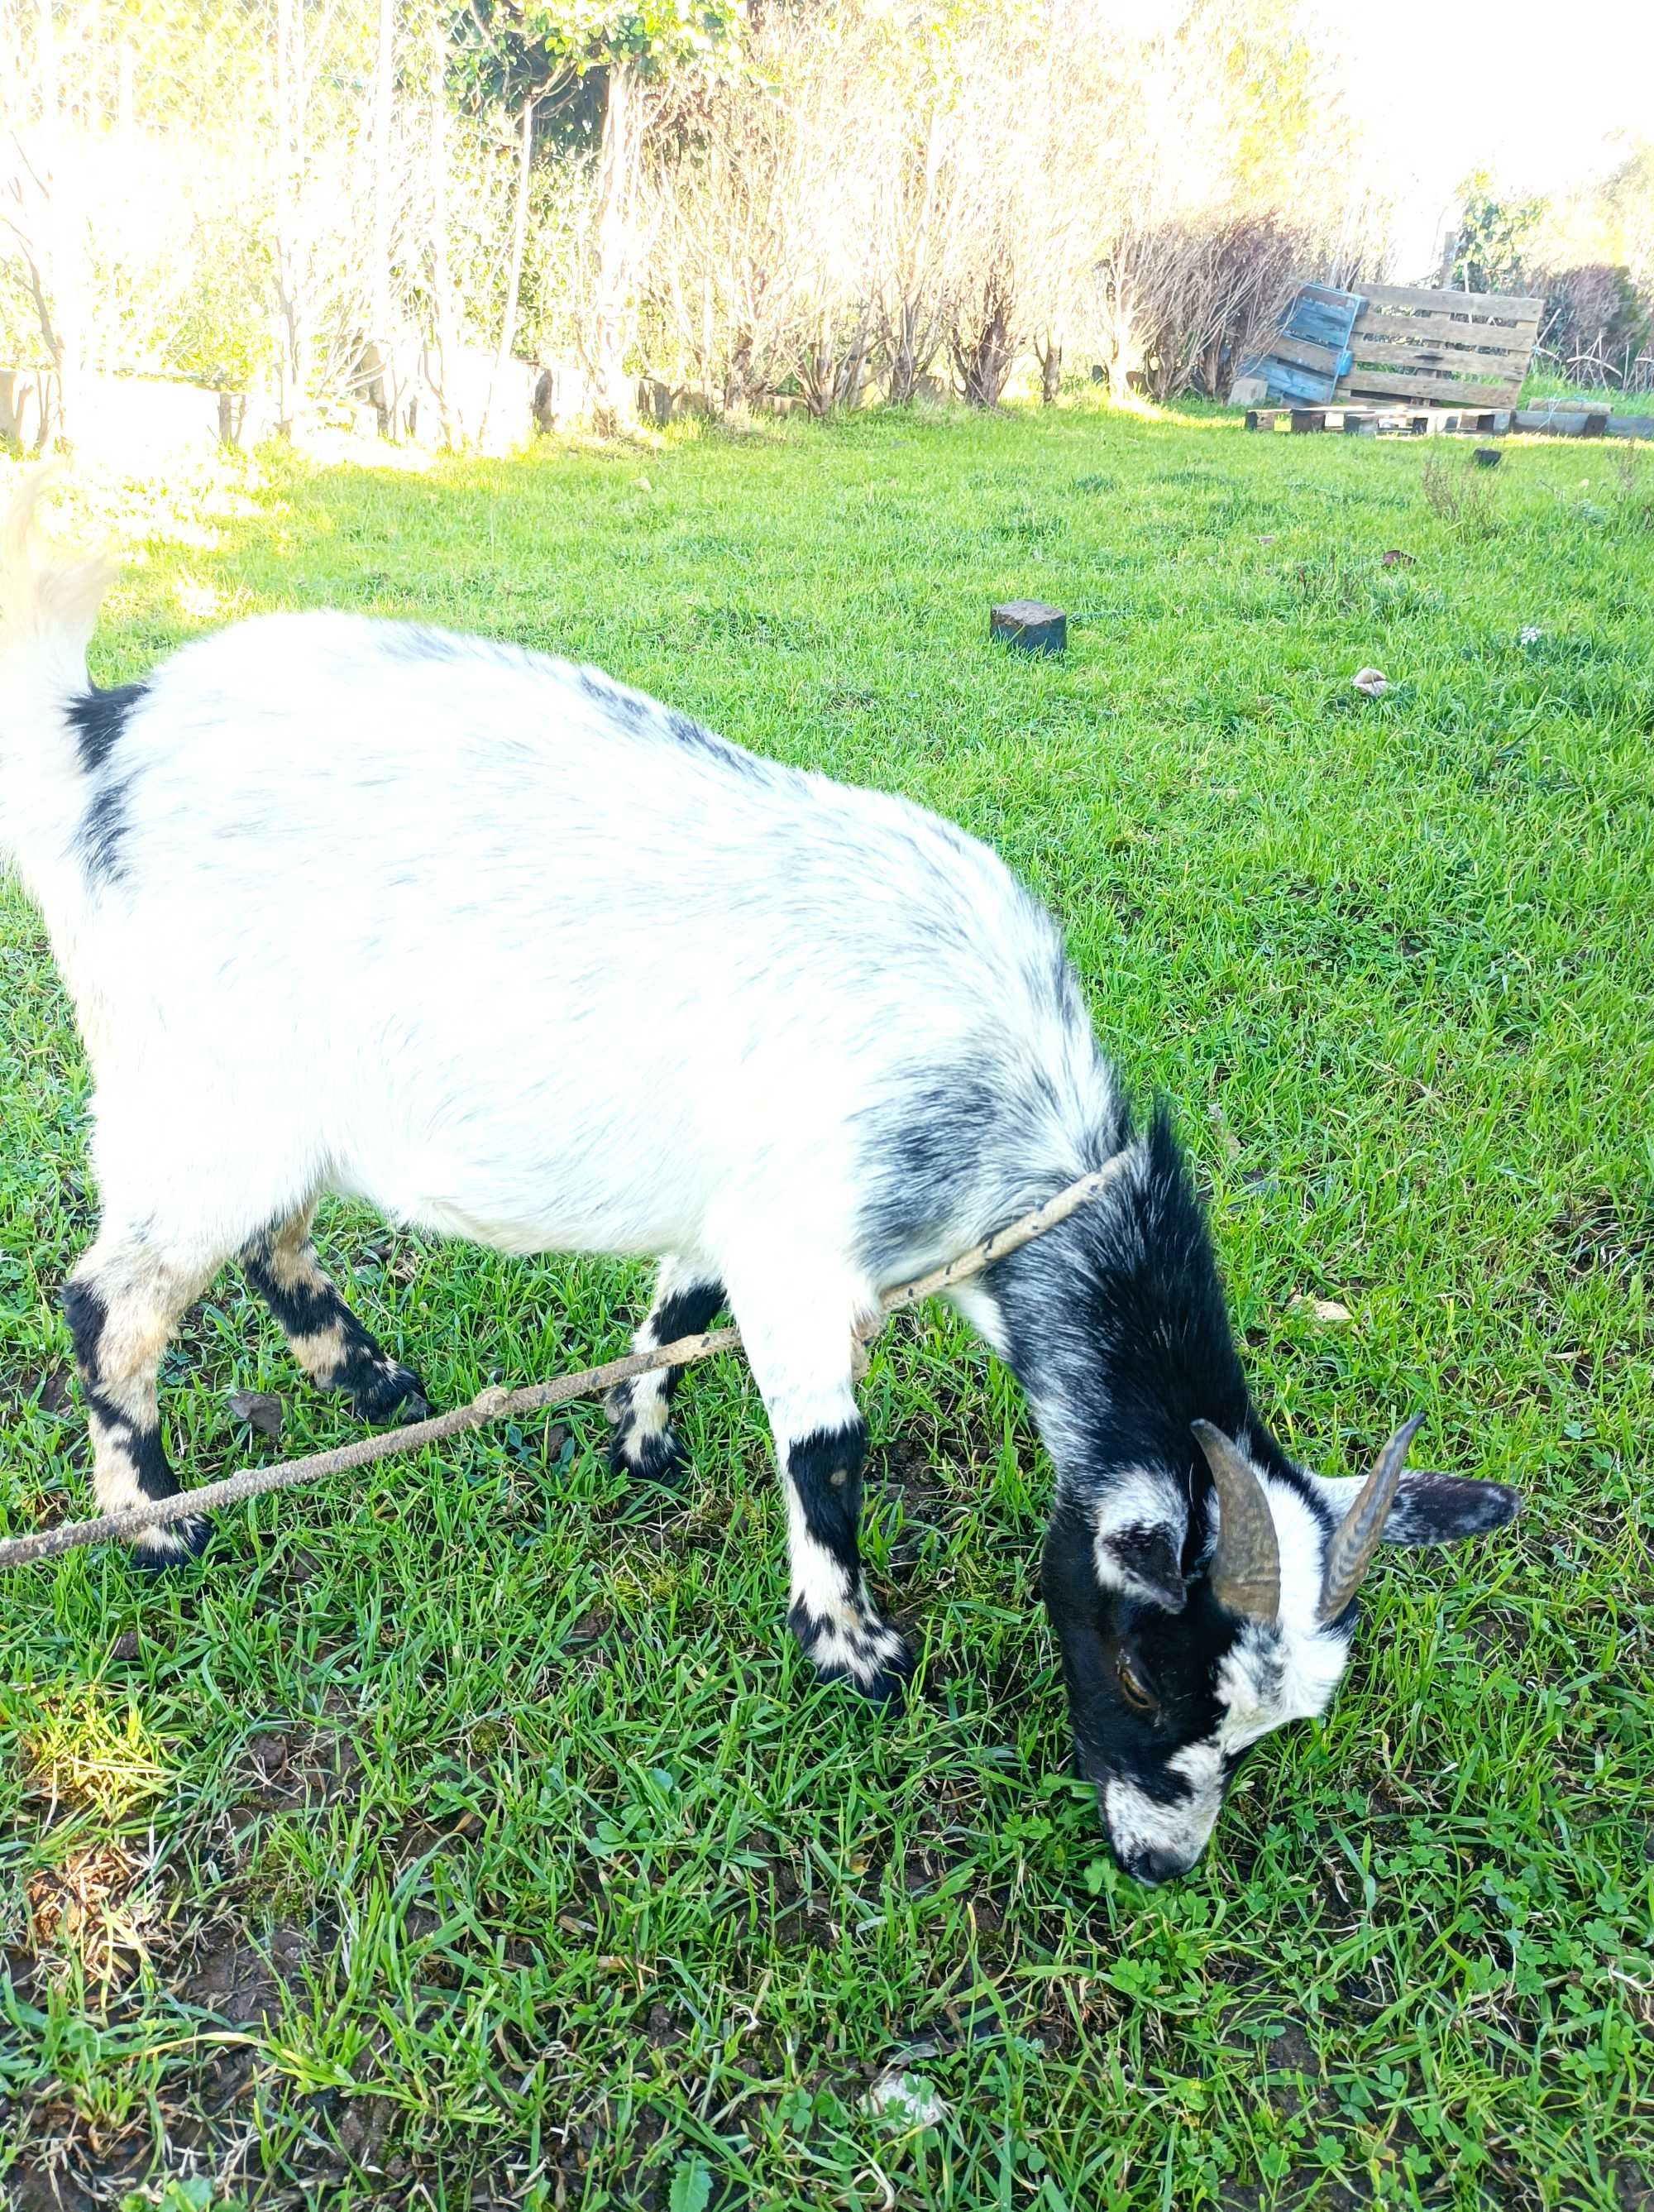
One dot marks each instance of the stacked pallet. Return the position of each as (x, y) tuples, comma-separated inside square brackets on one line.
[(1456, 348), (1397, 342)]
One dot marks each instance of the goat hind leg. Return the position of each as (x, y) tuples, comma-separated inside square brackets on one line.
[(123, 1301), (323, 1335)]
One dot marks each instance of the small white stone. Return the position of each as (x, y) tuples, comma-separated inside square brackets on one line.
[(1530, 636), (1372, 681), (907, 2097)]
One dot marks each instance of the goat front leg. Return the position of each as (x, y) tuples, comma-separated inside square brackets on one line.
[(122, 1302), (686, 1299), (803, 1358)]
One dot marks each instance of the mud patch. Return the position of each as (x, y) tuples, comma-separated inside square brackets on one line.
[(242, 1984), (308, 1767)]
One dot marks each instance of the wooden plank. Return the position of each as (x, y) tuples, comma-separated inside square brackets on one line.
[(1308, 418), (1493, 337), (1322, 320), (1306, 354), (1631, 426), (1482, 306), (1308, 386), (1447, 389), (1459, 361)]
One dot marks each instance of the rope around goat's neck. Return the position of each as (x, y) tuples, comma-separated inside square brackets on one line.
[(497, 1403)]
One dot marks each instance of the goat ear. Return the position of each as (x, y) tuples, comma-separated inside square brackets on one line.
[(1432, 1508), (1139, 1527)]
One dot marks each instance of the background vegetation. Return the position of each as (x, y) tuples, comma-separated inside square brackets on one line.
[(474, 1837), (382, 204)]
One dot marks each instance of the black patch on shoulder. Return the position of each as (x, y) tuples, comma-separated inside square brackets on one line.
[(919, 1171), (1120, 1312), (98, 718)]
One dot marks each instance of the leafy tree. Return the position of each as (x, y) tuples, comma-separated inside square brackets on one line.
[(1495, 237), (526, 43)]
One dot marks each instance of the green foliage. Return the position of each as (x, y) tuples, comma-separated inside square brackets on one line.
[(484, 1838), (539, 39), (1495, 237)]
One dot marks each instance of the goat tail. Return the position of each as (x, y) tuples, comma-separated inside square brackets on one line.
[(49, 599)]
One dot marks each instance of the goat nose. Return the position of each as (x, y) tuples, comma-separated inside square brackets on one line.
[(1152, 1866)]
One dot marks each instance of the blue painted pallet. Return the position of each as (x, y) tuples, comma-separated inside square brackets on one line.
[(1310, 353)]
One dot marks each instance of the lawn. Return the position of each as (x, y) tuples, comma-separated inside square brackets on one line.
[(473, 1835)]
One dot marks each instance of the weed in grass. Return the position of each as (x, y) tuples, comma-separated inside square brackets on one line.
[(484, 1843), (1462, 497)]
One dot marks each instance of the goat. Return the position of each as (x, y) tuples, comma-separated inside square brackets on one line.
[(540, 962)]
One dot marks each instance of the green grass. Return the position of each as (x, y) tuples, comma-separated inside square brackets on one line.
[(1541, 384), (473, 1836)]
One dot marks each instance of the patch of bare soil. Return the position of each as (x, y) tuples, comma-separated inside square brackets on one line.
[(239, 1982), (303, 1766)]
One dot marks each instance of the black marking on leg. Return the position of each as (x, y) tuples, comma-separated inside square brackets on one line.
[(657, 1456), (387, 1394), (139, 1442), (825, 1469), (87, 1315), (687, 1312), (875, 1660), (303, 1309), (381, 1390)]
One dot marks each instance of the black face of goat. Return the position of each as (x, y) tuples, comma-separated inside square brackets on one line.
[(1185, 1637)]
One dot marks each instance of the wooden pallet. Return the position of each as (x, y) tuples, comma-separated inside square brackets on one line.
[(1469, 349), (1370, 418), (1424, 346)]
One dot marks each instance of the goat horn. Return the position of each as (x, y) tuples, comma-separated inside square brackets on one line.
[(1357, 1536), (1247, 1566)]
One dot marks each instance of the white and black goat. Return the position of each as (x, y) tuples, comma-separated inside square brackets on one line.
[(512, 952)]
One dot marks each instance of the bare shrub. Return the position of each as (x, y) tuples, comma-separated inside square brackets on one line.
[(1598, 329)]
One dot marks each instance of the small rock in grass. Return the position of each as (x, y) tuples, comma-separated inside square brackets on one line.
[(1372, 681), (1394, 558), (907, 2098), (260, 1410)]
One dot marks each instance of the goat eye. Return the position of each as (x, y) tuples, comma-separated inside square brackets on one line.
[(1136, 1691)]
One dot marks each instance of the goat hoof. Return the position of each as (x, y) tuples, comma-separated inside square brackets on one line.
[(178, 1544), (660, 1458), (394, 1397), (871, 1657)]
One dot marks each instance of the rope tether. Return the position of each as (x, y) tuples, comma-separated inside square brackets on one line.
[(497, 1403)]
